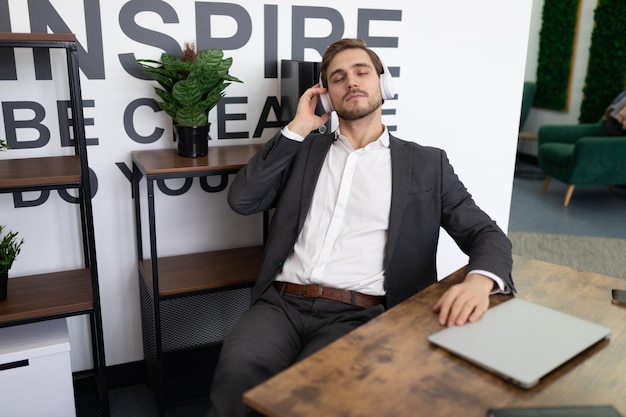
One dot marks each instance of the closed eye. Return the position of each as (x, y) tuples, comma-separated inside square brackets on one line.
[(339, 79)]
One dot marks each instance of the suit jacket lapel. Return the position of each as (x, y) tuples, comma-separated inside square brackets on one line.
[(318, 148), (401, 165)]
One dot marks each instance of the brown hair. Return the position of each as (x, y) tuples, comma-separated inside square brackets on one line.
[(343, 44)]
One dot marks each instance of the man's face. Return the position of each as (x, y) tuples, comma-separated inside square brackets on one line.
[(353, 84)]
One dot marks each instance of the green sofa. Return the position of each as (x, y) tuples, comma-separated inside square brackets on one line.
[(581, 154)]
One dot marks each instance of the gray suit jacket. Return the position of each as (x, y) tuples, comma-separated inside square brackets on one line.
[(425, 194)]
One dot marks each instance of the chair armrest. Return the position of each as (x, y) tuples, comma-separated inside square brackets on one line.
[(600, 159), (611, 147), (569, 133)]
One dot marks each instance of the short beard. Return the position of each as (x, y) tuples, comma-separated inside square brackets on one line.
[(360, 113)]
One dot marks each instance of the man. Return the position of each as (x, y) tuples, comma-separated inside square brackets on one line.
[(355, 230), (615, 116)]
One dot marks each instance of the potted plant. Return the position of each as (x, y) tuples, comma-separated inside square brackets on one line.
[(190, 86), (9, 249), (3, 145)]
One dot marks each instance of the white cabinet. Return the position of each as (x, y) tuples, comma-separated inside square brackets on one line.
[(35, 370)]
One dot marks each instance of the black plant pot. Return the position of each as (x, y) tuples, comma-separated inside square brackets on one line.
[(192, 141), (4, 282)]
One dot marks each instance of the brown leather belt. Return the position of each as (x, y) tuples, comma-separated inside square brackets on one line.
[(317, 291)]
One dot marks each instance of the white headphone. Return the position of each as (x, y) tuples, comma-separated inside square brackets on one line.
[(386, 89)]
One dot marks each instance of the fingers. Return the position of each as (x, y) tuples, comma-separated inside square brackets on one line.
[(454, 309), (308, 102), (305, 120), (459, 311), (311, 96), (461, 304)]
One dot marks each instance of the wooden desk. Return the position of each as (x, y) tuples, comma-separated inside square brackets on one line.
[(388, 368)]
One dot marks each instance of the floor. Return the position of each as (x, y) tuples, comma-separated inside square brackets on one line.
[(138, 401), (593, 211)]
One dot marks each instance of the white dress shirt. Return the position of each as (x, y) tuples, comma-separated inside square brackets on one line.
[(342, 243)]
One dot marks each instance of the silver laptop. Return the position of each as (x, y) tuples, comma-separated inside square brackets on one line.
[(521, 341)]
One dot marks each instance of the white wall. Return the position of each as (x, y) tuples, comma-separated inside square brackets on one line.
[(461, 71)]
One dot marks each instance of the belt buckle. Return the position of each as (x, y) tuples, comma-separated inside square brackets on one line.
[(313, 291)]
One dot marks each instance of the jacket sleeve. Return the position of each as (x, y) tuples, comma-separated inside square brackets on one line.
[(472, 229), (257, 185)]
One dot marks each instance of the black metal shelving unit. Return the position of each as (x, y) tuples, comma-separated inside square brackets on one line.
[(62, 293), (188, 302)]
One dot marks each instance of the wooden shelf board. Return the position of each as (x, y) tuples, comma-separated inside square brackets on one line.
[(219, 158), (37, 37), (204, 271), (45, 171), (35, 297)]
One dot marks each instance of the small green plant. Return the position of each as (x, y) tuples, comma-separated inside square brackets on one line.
[(191, 84), (3, 145), (9, 249)]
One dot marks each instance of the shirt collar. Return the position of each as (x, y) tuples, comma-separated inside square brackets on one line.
[(381, 142)]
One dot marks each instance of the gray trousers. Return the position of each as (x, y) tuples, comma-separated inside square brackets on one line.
[(277, 331)]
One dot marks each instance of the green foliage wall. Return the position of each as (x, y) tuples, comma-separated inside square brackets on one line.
[(556, 44), (607, 60)]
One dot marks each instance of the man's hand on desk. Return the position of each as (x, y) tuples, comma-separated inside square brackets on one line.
[(464, 302)]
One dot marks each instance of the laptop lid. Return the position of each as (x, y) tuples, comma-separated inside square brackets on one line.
[(521, 341)]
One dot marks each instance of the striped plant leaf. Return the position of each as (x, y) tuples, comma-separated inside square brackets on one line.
[(189, 89)]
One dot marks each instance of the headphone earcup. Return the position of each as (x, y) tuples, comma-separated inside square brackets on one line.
[(386, 84), (325, 99)]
